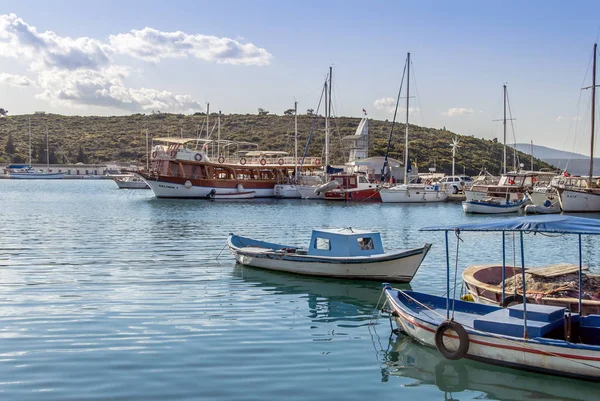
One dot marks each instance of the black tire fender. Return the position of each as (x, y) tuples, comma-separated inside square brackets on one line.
[(517, 298), (463, 340)]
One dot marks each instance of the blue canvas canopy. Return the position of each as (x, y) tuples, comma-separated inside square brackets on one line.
[(557, 224)]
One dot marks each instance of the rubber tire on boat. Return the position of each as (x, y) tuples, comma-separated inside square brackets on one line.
[(442, 381), (518, 299), (463, 340), (454, 190)]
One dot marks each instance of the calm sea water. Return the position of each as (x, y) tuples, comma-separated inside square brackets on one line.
[(109, 294)]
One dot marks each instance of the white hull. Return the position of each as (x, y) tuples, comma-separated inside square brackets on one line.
[(474, 195), (233, 196), (170, 190), (397, 270), (579, 201), (308, 192), (132, 184), (508, 351), (37, 176), (541, 209), (286, 191), (402, 194), (490, 208)]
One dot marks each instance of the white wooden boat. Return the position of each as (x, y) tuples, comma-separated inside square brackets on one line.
[(342, 253), (545, 208), (413, 193), (543, 338), (494, 205), (130, 181), (214, 195), (31, 174)]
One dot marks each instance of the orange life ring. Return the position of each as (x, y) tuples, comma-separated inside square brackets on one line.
[(263, 162), (243, 161), (198, 157), (280, 162), (221, 159), (317, 161), (154, 154)]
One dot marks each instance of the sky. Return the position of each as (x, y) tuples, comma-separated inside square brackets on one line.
[(124, 57)]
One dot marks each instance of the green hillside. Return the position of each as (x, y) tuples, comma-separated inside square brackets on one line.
[(101, 139)]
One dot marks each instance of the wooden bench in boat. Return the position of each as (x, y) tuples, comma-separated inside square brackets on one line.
[(541, 320)]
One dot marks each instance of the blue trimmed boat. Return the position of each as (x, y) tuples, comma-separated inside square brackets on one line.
[(543, 338), (342, 253), (494, 205)]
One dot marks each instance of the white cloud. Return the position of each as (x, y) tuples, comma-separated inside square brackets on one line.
[(15, 80), (81, 71), (559, 118), (153, 45), (459, 111), (388, 104)]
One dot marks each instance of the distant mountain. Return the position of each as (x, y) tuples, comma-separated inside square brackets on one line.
[(575, 163)]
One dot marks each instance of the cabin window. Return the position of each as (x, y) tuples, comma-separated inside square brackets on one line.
[(322, 244), (352, 181), (362, 180), (365, 243)]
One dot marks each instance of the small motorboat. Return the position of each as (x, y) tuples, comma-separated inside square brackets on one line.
[(494, 205), (214, 195), (343, 253), (546, 208), (129, 181)]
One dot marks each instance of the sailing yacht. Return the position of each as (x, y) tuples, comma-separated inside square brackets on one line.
[(29, 173), (410, 192), (586, 197)]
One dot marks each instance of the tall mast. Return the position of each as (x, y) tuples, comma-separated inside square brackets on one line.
[(531, 155), (407, 111), (295, 142), (207, 116), (219, 135), (29, 120), (326, 131), (504, 122), (47, 150), (593, 118), (147, 152)]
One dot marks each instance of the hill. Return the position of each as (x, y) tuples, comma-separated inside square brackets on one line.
[(96, 139), (574, 163), (544, 152)]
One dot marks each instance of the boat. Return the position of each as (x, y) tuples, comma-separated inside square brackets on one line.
[(350, 187), (512, 186), (214, 195), (545, 208), (493, 205), (341, 253), (287, 188), (409, 192), (534, 337), (586, 197), (129, 181), (180, 170), (29, 173), (405, 358), (548, 285)]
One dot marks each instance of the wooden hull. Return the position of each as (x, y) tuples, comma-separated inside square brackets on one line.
[(552, 356), (412, 195), (232, 196), (483, 207), (363, 195), (397, 267), (484, 283), (579, 201)]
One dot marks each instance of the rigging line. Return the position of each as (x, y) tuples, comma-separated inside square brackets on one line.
[(523, 343), (312, 127), (387, 150), (458, 240), (518, 162), (414, 76)]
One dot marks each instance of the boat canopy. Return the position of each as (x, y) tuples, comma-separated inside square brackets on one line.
[(345, 242), (557, 224)]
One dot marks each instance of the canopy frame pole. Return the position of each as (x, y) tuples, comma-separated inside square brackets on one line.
[(525, 336), (447, 277), (503, 264), (580, 276)]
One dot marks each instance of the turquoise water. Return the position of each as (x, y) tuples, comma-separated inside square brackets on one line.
[(109, 294)]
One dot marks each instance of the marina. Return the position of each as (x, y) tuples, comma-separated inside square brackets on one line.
[(156, 297)]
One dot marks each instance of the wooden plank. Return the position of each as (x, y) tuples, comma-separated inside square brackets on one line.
[(556, 270)]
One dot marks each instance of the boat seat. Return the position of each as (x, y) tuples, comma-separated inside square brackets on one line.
[(541, 320)]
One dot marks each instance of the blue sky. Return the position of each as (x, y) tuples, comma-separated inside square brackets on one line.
[(277, 52)]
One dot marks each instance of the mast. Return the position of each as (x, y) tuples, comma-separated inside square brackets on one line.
[(295, 142), (407, 111), (531, 155), (504, 122), (219, 135), (593, 118), (207, 115), (327, 115), (29, 121), (47, 150), (147, 152)]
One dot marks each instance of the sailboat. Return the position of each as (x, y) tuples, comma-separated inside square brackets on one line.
[(28, 172), (410, 192), (288, 189), (585, 198)]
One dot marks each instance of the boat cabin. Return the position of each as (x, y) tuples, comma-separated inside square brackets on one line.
[(345, 242)]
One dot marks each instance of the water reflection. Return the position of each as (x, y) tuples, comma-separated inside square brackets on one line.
[(406, 358), (328, 299)]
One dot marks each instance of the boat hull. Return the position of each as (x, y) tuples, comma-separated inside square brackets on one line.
[(37, 176), (132, 184), (308, 192), (410, 195), (537, 354), (578, 201), (286, 191), (363, 195), (483, 207), (167, 187), (232, 195)]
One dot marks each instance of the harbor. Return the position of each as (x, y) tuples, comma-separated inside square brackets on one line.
[(143, 286)]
